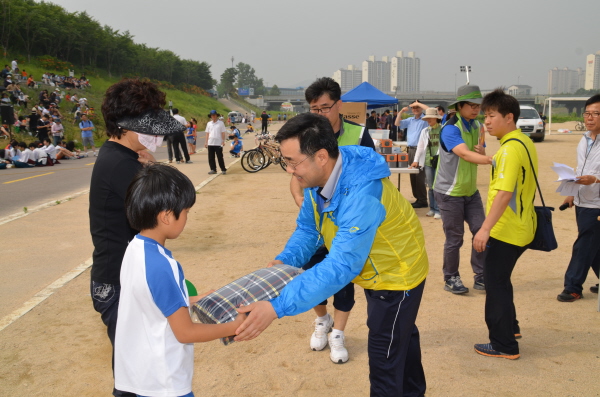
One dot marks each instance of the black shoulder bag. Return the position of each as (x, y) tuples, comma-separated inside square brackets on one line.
[(544, 239)]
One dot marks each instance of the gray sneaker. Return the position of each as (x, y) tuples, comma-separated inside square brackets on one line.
[(455, 285), (189, 162), (212, 172), (479, 285), (224, 172)]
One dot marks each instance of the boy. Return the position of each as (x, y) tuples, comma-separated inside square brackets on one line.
[(154, 354), (236, 146), (510, 222)]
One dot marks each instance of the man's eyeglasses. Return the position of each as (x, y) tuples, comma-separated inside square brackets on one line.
[(593, 115), (323, 110), (294, 165)]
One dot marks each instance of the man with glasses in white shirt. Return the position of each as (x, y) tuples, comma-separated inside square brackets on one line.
[(586, 249)]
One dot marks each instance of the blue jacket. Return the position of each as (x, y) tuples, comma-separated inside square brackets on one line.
[(372, 233)]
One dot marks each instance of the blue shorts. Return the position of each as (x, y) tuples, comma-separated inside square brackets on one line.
[(191, 140)]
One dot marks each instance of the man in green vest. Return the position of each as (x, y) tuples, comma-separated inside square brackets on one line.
[(455, 186), (324, 98)]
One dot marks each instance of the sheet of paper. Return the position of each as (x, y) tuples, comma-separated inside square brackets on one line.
[(568, 188), (565, 173)]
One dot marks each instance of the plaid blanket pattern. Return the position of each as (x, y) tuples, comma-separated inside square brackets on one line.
[(262, 284)]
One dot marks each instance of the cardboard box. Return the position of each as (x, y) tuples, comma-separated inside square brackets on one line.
[(355, 111)]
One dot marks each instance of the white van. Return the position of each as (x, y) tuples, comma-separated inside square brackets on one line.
[(531, 124), (235, 117)]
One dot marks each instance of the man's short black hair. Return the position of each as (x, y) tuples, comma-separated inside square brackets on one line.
[(175, 111), (129, 98), (156, 188), (502, 103), (321, 86), (592, 100), (313, 131), (440, 107), (22, 144)]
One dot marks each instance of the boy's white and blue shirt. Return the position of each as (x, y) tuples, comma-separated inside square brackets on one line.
[(149, 360)]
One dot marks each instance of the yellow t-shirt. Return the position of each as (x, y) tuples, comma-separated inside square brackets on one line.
[(511, 172)]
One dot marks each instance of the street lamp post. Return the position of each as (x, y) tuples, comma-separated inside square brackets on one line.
[(232, 61), (466, 69)]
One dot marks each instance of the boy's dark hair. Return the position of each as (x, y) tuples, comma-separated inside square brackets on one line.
[(70, 146), (324, 85), (592, 100), (22, 144), (439, 107), (502, 103), (129, 98), (175, 111), (313, 131), (157, 188), (32, 145)]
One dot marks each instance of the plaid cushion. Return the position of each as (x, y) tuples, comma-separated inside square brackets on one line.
[(262, 284)]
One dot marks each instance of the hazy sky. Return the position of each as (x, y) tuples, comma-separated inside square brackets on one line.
[(290, 43)]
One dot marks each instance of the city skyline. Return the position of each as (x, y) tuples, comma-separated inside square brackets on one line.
[(291, 44)]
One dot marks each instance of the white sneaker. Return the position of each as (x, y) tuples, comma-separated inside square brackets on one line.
[(318, 339), (430, 213), (437, 216), (338, 354)]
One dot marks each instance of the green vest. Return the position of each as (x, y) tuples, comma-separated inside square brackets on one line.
[(455, 176), (350, 134)]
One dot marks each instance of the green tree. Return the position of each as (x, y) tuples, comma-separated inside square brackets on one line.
[(246, 78), (226, 85), (275, 90)]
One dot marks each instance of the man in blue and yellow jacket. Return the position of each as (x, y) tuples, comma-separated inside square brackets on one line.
[(374, 239)]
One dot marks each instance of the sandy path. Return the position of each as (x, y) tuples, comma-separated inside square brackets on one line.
[(239, 223)]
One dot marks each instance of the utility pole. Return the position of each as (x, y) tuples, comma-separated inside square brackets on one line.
[(232, 62), (466, 69)]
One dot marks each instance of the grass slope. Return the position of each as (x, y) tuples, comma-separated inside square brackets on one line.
[(189, 105)]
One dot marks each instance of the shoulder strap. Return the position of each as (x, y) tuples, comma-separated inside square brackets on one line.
[(532, 169)]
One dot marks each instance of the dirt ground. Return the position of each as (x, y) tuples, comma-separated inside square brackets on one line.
[(241, 221)]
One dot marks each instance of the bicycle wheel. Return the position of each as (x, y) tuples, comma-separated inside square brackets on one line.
[(283, 164), (580, 126), (252, 161)]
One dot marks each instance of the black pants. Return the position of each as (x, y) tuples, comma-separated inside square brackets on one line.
[(105, 298), (500, 313), (169, 140), (343, 300), (218, 151), (586, 249), (417, 181), (179, 141), (263, 129), (395, 367)]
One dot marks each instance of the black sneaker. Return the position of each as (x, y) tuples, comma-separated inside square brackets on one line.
[(486, 349), (418, 204), (567, 296), (479, 285), (594, 289), (455, 285)]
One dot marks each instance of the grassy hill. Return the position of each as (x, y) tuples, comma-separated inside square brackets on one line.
[(189, 105)]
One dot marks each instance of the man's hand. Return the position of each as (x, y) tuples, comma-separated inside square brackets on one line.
[(586, 180), (261, 316), (415, 165), (480, 240), (145, 157), (569, 200), (479, 149), (274, 262)]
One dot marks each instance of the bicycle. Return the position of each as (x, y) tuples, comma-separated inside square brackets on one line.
[(580, 126), (263, 155)]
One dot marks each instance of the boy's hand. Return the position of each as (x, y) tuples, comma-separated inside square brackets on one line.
[(480, 240), (261, 316), (479, 149)]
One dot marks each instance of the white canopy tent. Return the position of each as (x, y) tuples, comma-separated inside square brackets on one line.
[(561, 99)]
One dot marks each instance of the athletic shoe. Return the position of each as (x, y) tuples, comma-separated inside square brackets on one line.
[(437, 216), (567, 296), (178, 162), (418, 204), (479, 285), (189, 162), (95, 154), (594, 289), (223, 172), (486, 349), (318, 339), (212, 172), (455, 285), (338, 354), (430, 213)]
